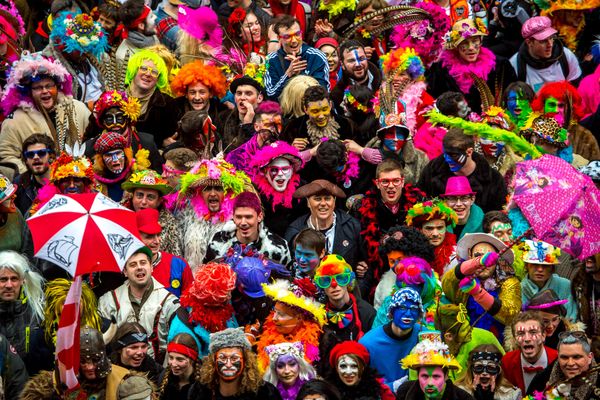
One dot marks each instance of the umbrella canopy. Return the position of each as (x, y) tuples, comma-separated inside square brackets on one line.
[(84, 233), (560, 204)]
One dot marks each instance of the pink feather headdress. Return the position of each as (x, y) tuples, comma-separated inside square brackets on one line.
[(201, 23)]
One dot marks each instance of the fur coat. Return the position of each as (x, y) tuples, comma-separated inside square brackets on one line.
[(195, 236)]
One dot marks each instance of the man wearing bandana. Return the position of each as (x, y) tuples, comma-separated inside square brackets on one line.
[(459, 159), (230, 370)]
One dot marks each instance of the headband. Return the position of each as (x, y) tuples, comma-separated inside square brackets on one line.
[(140, 19), (134, 337), (182, 349), (486, 356)]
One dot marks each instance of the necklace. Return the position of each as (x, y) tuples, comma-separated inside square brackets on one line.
[(329, 131)]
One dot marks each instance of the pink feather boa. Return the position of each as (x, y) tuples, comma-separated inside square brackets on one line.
[(461, 71), (201, 209), (352, 170), (411, 97), (284, 198)]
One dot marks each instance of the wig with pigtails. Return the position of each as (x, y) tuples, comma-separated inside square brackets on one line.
[(136, 60), (403, 60), (32, 290), (56, 293), (561, 91), (197, 72), (208, 296)]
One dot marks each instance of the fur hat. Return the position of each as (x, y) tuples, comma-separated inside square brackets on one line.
[(230, 337)]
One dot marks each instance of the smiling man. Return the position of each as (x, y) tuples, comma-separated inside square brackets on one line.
[(140, 23), (142, 299)]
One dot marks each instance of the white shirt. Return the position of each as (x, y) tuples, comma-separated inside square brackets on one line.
[(541, 362)]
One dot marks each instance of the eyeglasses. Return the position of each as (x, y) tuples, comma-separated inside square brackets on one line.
[(274, 170), (342, 279), (578, 335), (168, 171), (289, 36), (41, 88), (232, 358), (144, 69), (451, 201), (492, 369), (387, 182), (40, 153)]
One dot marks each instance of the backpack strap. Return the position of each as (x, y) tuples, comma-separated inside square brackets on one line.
[(154, 342)]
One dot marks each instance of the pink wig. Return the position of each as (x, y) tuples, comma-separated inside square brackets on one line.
[(201, 23), (412, 271), (268, 107)]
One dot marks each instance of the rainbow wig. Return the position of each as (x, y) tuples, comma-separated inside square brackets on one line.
[(403, 60), (136, 61), (194, 72), (334, 264)]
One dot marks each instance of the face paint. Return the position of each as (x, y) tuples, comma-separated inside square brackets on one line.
[(348, 370), (284, 319), (319, 112), (432, 381), (491, 148), (463, 109), (454, 165), (114, 161), (394, 139), (530, 339), (502, 231), (434, 231), (287, 369), (114, 120), (278, 173), (406, 315), (230, 363), (556, 109), (306, 259)]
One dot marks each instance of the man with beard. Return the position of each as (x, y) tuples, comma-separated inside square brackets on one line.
[(393, 341), (247, 229), (38, 153), (231, 370), (140, 24), (142, 299), (542, 57), (586, 288), (356, 70), (293, 58)]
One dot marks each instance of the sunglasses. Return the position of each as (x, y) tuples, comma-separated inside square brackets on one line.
[(290, 36), (492, 369), (342, 279), (40, 153)]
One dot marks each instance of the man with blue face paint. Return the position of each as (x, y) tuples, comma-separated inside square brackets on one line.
[(393, 341), (460, 159), (309, 248)]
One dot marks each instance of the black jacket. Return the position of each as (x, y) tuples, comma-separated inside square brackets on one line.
[(14, 374), (26, 191), (160, 119), (265, 391), (412, 391), (485, 181), (337, 93), (347, 241)]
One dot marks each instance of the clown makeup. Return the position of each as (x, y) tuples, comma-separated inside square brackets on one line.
[(502, 231), (230, 363), (463, 109), (114, 120), (114, 161), (530, 338), (556, 109), (435, 231), (394, 256), (394, 139), (71, 185), (469, 49), (284, 318), (406, 315), (319, 112), (287, 369), (491, 148), (348, 370), (432, 381), (306, 259), (278, 173), (551, 322)]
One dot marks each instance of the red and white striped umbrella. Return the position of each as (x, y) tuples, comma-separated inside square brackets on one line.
[(84, 233)]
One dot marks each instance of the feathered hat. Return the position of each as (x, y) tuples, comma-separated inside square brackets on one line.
[(429, 210), (197, 72), (497, 116), (12, 29), (28, 69), (70, 166), (201, 23), (430, 353), (129, 105), (79, 33), (298, 295), (147, 179)]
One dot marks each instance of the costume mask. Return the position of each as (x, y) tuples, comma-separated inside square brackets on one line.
[(394, 139), (406, 315), (114, 161), (114, 120), (288, 369), (491, 148), (463, 109), (319, 112), (455, 158), (556, 109), (432, 382), (278, 173), (348, 370), (306, 259), (230, 363)]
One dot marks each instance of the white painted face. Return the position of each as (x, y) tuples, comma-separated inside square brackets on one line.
[(278, 173), (347, 369)]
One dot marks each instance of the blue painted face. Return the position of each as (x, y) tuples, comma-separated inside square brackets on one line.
[(406, 315), (453, 164), (511, 102), (306, 259)]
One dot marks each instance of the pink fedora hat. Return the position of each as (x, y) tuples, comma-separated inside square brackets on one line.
[(458, 186)]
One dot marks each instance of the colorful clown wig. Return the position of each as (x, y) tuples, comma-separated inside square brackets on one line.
[(196, 72), (334, 264), (208, 296), (430, 210), (56, 293), (560, 91), (411, 271), (79, 33), (403, 60), (136, 61)]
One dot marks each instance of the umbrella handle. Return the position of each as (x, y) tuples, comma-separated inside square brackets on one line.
[(515, 241)]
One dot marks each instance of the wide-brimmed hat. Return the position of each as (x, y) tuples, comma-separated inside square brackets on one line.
[(463, 30), (297, 296), (318, 186), (430, 353), (539, 252), (548, 130), (458, 186), (469, 240), (547, 301), (147, 179), (539, 28)]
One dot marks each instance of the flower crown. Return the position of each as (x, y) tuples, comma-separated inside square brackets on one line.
[(79, 32), (355, 103), (295, 350), (129, 105), (430, 353), (66, 166)]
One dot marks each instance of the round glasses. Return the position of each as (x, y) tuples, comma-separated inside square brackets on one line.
[(342, 279)]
